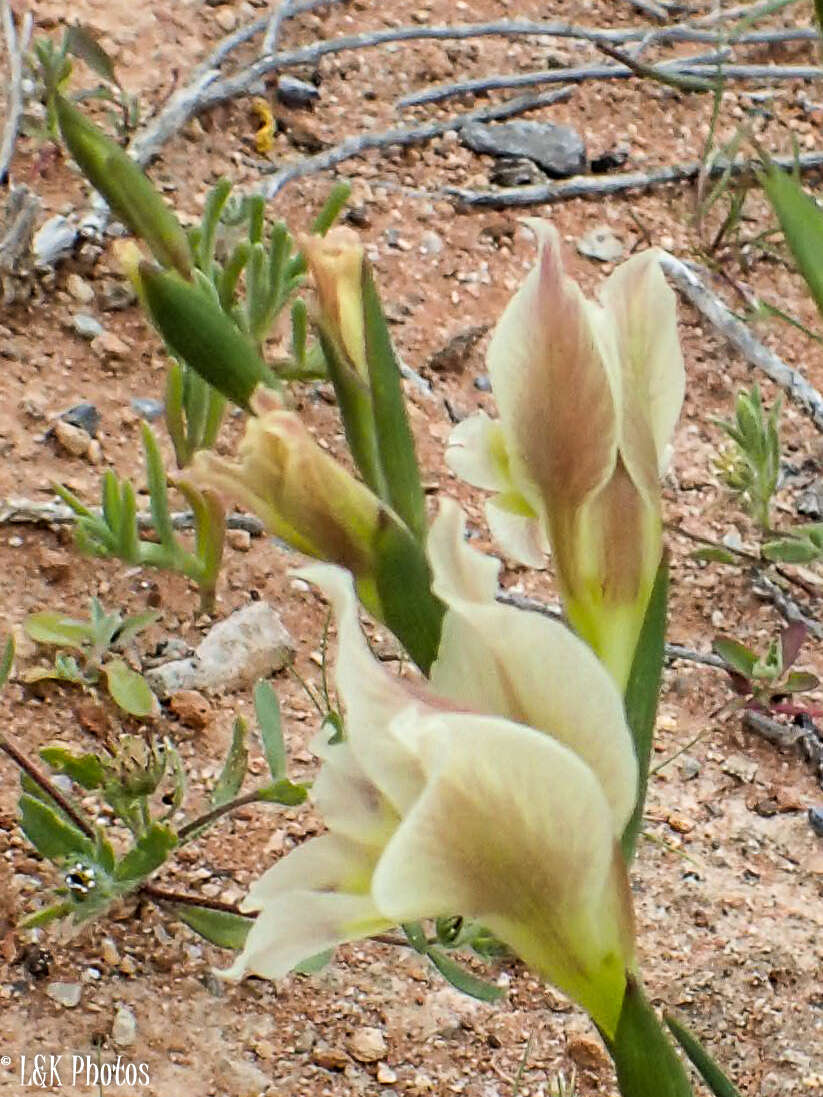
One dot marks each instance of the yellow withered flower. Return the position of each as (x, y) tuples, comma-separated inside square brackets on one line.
[(588, 395), (497, 790), (336, 263)]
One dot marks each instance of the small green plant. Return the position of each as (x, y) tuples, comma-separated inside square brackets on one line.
[(86, 655), (751, 465), (141, 781), (114, 532), (766, 682)]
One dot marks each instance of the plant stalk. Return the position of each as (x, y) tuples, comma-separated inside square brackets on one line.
[(644, 1057)]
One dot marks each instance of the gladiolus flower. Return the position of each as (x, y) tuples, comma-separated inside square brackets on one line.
[(498, 790), (336, 262), (588, 396)]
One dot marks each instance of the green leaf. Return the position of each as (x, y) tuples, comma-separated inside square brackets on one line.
[(149, 852), (234, 768), (737, 655), (462, 979), (56, 628), (284, 792), (135, 624), (52, 835), (799, 681), (46, 915), (395, 442), (708, 1069), (6, 661), (215, 204), (642, 694), (221, 927), (791, 550), (130, 690), (158, 488), (316, 963), (85, 770), (267, 709), (714, 555), (82, 42), (332, 207), (646, 1063), (802, 223)]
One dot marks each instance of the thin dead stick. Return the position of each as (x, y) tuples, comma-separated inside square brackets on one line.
[(30, 769), (652, 10), (689, 280), (784, 736), (742, 11), (272, 34), (583, 186), (16, 46), (483, 84), (20, 511), (403, 136), (788, 609), (178, 898)]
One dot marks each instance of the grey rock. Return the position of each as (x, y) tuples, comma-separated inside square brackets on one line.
[(65, 994), (557, 149), (296, 93), (816, 820), (250, 644), (124, 1027), (54, 240), (483, 382), (85, 416), (431, 243), (115, 295), (516, 171), (86, 326), (148, 408), (601, 244), (240, 1078), (810, 502)]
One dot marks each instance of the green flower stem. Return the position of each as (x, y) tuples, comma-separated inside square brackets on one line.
[(644, 1057)]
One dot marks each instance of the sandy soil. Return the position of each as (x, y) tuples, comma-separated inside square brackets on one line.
[(728, 895)]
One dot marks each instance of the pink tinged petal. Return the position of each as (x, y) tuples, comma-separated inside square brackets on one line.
[(350, 804), (298, 925), (643, 310), (553, 374), (520, 665), (371, 695), (513, 828), (517, 529), (477, 453)]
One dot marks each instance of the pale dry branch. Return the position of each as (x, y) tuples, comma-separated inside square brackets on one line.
[(403, 136), (15, 510), (689, 280), (17, 42), (585, 186)]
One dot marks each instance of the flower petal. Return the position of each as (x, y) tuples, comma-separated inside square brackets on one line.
[(518, 664), (372, 696), (477, 453), (517, 529), (513, 829), (351, 805), (556, 384), (644, 313)]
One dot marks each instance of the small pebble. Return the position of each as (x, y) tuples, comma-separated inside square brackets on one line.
[(86, 326), (72, 439), (108, 950), (385, 1075), (483, 383), (238, 539), (296, 93), (80, 289), (124, 1027), (367, 1045), (65, 994), (331, 1058), (85, 416), (147, 407), (601, 244), (108, 346), (816, 820)]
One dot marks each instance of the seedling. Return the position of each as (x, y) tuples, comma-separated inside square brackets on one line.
[(751, 465), (766, 682)]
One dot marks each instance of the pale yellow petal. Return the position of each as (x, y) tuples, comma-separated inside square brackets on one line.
[(371, 695), (513, 829), (328, 863), (553, 379), (517, 529), (643, 309), (349, 803), (477, 453), (521, 665), (297, 925)]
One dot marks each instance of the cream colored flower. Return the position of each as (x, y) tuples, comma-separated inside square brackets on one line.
[(336, 262), (588, 396), (498, 790)]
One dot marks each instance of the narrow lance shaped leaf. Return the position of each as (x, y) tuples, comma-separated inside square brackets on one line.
[(220, 927), (462, 979), (215, 204), (48, 627), (642, 694), (802, 223), (199, 332), (6, 661), (148, 853), (646, 1063), (394, 437), (708, 1069), (158, 492), (51, 834), (234, 769), (125, 187), (267, 709), (82, 42)]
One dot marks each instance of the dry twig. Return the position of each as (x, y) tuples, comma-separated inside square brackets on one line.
[(16, 45), (689, 280), (15, 510), (412, 135), (584, 186)]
